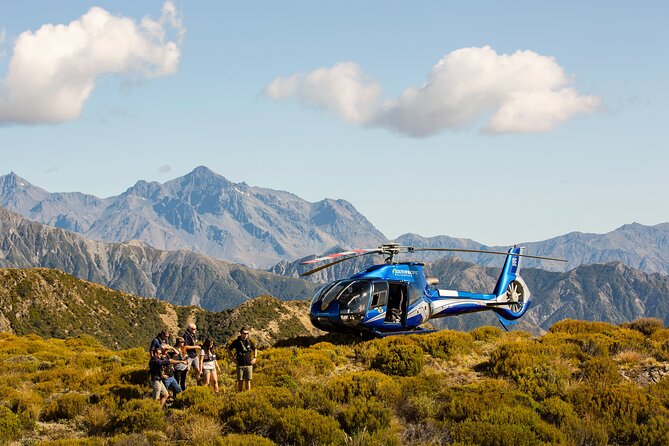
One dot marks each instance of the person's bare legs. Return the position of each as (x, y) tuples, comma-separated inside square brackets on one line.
[(247, 384), (214, 380)]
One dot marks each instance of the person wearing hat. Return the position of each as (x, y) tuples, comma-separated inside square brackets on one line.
[(190, 341), (243, 351)]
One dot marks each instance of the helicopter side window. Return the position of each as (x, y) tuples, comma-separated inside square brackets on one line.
[(379, 295), (415, 293)]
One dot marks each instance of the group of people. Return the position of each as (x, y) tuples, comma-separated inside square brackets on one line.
[(169, 365)]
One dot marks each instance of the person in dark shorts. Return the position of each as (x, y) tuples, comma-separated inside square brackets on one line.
[(181, 370), (190, 339), (243, 351)]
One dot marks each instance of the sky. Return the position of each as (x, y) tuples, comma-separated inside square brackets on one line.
[(500, 122)]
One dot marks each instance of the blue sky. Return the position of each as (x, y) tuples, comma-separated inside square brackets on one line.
[(350, 100)]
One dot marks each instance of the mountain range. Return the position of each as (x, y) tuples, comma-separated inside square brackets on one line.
[(200, 212), (179, 277), (612, 292), (205, 213)]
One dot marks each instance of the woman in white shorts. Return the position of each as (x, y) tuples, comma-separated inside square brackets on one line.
[(209, 365)]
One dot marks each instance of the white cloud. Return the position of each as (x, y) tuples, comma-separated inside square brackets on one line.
[(342, 89), (52, 71), (518, 93)]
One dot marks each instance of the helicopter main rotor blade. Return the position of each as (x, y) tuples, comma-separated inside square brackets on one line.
[(327, 265), (487, 252), (339, 254)]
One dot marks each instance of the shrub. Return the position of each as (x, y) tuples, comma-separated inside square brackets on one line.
[(419, 408), (364, 414), (74, 442), (556, 411), (369, 384), (445, 344), (125, 392), (196, 429), (399, 359), (244, 440), (317, 397), (140, 415), (585, 431), (280, 397), (138, 376), (319, 361), (302, 427), (27, 405), (249, 413), (194, 395), (486, 333), (600, 371), (97, 419), (66, 407), (647, 326), (10, 425), (508, 425), (573, 327)]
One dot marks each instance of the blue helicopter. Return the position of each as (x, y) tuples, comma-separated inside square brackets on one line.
[(397, 297)]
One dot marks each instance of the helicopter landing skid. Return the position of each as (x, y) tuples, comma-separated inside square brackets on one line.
[(417, 330)]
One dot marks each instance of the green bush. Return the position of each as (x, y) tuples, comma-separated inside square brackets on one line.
[(368, 384), (280, 397), (10, 425), (125, 392), (486, 333), (244, 440), (66, 407), (364, 414), (140, 415), (647, 326), (445, 344), (508, 425), (600, 371), (573, 327), (74, 442), (556, 411), (194, 395), (248, 413), (585, 431), (301, 427), (419, 408), (399, 359)]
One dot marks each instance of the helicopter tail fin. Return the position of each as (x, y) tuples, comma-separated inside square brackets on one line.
[(510, 270), (511, 289)]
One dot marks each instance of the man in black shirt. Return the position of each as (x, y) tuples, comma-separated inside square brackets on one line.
[(160, 339), (192, 349), (243, 351)]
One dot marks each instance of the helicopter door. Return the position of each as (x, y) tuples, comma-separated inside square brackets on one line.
[(397, 303)]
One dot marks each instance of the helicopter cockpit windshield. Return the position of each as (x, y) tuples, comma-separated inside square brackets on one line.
[(352, 296)]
